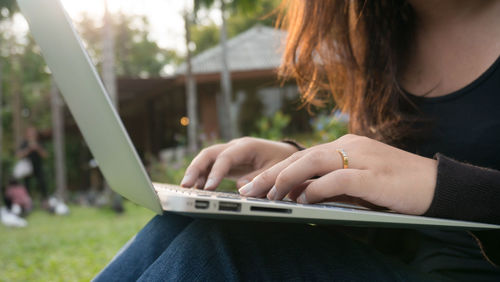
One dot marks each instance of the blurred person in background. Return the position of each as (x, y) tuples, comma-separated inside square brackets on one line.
[(420, 80), (17, 198), (32, 150)]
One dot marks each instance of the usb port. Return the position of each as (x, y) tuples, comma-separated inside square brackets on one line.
[(228, 206), (202, 205)]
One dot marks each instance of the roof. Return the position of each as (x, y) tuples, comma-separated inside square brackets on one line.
[(258, 48)]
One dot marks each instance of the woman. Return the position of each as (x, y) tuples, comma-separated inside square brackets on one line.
[(32, 149), (420, 81)]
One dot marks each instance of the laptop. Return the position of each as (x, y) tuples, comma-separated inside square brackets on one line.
[(111, 146)]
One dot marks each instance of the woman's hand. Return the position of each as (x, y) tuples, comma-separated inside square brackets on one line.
[(241, 159), (377, 173)]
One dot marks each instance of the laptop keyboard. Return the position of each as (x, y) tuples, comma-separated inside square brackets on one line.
[(235, 195)]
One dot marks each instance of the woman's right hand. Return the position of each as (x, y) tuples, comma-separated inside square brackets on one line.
[(241, 159)]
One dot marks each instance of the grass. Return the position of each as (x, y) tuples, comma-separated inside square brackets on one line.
[(67, 248)]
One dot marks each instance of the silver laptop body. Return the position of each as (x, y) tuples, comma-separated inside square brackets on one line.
[(110, 144)]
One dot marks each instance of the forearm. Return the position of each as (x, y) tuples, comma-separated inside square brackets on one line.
[(466, 192), (42, 152), (22, 153)]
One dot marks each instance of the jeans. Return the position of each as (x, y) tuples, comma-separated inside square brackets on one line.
[(178, 248)]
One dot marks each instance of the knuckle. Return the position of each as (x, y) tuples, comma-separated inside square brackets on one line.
[(316, 156), (242, 141), (348, 138), (264, 177), (343, 180), (246, 139), (204, 153), (297, 155), (224, 158)]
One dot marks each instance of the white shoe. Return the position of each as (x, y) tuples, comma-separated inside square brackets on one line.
[(61, 208), (16, 209), (11, 220)]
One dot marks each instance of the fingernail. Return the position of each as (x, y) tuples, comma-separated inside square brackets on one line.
[(272, 193), (302, 199), (210, 183), (246, 188), (186, 179)]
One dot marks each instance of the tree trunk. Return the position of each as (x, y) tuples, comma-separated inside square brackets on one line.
[(16, 111), (109, 79), (191, 98), (56, 105), (227, 123), (2, 181), (108, 62)]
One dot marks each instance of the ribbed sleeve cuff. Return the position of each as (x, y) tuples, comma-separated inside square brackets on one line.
[(465, 192)]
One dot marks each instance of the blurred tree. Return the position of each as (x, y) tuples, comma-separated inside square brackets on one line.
[(207, 34), (109, 79), (227, 120), (7, 9), (57, 109), (136, 55), (191, 98)]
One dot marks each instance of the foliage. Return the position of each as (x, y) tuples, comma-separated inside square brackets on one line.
[(328, 128), (67, 248), (136, 54), (272, 128), (243, 15), (204, 37), (8, 7), (25, 73)]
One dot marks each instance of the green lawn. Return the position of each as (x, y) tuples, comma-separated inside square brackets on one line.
[(67, 248)]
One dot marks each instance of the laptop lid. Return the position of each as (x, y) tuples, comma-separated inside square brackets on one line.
[(88, 101)]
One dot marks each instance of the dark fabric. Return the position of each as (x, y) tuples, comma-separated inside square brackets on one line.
[(466, 192), (175, 248), (463, 126), (33, 156), (38, 172), (294, 143)]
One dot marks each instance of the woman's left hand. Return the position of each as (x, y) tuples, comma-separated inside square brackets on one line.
[(377, 173)]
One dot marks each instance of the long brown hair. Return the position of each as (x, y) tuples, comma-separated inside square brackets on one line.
[(351, 50)]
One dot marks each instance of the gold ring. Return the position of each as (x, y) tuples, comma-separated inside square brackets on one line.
[(345, 160)]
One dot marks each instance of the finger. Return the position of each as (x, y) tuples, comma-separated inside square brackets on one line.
[(201, 163), (350, 182), (314, 163), (295, 193), (247, 178), (230, 157), (265, 180), (200, 183)]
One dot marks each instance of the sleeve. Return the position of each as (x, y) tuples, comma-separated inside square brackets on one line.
[(466, 192), (294, 143)]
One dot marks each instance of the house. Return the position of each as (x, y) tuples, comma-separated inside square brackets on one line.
[(152, 108), (253, 58)]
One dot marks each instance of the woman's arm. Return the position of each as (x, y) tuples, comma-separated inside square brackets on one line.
[(23, 152), (376, 173), (41, 150), (466, 192)]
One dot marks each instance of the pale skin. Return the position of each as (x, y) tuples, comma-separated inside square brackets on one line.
[(455, 42)]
